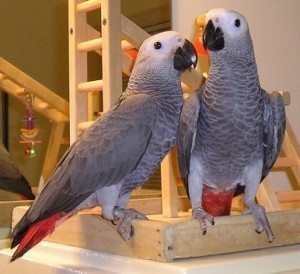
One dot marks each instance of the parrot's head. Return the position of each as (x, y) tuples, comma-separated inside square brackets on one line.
[(225, 31), (167, 49)]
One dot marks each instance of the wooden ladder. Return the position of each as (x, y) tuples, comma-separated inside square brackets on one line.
[(46, 102)]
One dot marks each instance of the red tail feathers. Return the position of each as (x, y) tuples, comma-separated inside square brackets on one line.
[(217, 202), (38, 232)]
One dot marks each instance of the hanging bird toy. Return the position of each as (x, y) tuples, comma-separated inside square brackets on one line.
[(29, 132)]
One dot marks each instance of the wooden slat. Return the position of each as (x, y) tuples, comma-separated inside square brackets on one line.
[(88, 6), (169, 186), (292, 151), (49, 112), (77, 68), (91, 86), (288, 196), (111, 52), (90, 45), (284, 162)]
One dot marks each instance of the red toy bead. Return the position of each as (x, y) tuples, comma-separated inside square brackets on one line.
[(27, 151)]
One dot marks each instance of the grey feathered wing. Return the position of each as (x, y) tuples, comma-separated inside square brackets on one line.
[(103, 156), (187, 133), (274, 129), (274, 123)]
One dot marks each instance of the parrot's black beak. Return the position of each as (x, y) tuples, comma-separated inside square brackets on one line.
[(213, 38), (185, 56)]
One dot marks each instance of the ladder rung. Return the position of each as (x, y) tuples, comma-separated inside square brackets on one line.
[(90, 86), (90, 45), (89, 6), (285, 162), (96, 44), (83, 126), (20, 91), (42, 106)]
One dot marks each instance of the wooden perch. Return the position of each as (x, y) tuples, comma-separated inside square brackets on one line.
[(165, 239)]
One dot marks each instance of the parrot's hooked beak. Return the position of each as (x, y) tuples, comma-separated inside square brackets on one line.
[(213, 38), (185, 56)]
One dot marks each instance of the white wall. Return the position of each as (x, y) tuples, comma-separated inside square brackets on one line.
[(275, 30)]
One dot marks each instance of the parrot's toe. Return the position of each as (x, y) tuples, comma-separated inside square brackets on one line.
[(124, 219), (262, 222), (201, 215)]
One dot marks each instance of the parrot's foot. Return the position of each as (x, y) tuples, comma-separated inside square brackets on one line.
[(123, 218), (201, 215), (261, 219)]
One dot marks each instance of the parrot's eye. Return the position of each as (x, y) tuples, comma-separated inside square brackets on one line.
[(157, 45), (237, 23)]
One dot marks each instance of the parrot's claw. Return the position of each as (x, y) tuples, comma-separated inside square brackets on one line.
[(124, 219), (262, 223), (201, 215)]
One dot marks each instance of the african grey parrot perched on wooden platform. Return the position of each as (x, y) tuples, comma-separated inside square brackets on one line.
[(11, 178), (231, 130), (121, 150)]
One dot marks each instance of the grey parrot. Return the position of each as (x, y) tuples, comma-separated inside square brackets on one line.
[(231, 130), (11, 178), (120, 150)]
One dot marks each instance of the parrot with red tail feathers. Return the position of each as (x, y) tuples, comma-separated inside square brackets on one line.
[(120, 150), (231, 130)]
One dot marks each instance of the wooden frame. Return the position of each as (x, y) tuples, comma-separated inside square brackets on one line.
[(13, 81)]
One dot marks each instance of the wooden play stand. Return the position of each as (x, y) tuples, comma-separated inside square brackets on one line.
[(169, 234)]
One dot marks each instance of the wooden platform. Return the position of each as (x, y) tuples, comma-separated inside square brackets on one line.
[(164, 239)]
